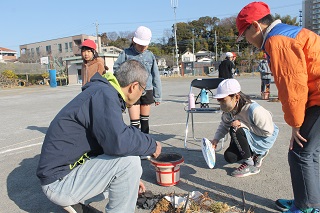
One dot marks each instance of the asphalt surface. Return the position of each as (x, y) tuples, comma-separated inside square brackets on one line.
[(27, 112)]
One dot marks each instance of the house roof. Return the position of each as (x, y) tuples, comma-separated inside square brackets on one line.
[(7, 50)]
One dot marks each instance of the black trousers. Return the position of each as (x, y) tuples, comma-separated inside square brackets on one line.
[(233, 153)]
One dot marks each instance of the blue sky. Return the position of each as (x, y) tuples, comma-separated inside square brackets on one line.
[(31, 21)]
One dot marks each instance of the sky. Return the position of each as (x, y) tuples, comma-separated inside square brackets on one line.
[(25, 22)]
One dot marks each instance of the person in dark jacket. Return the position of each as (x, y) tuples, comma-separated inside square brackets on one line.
[(227, 67), (265, 74), (89, 153)]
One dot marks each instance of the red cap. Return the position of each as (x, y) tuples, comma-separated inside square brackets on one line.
[(89, 43), (250, 13)]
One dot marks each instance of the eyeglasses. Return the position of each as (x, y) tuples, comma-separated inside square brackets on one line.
[(243, 36), (144, 90)]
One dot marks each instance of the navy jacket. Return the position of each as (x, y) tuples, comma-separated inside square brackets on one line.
[(91, 123), (225, 69)]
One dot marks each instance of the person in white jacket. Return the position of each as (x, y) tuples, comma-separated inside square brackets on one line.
[(250, 126)]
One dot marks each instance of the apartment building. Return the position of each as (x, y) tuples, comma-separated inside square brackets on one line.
[(58, 48), (65, 53), (311, 15)]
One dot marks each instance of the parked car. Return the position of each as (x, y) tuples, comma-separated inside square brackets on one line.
[(165, 72)]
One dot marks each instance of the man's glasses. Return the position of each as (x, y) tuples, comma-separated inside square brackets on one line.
[(144, 90)]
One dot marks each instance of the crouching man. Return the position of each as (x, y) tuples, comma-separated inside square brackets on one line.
[(89, 153)]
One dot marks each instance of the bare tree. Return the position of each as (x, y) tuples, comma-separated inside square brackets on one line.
[(126, 34), (112, 36)]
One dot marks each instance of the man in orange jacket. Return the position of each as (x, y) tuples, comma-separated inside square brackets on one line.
[(294, 58)]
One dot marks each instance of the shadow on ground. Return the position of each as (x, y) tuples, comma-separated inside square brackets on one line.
[(218, 192), (24, 188), (37, 128)]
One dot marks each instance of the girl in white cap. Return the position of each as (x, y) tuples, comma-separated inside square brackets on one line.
[(250, 126), (138, 50)]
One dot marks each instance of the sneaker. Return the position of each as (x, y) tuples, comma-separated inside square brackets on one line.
[(259, 158), (81, 208), (294, 209), (283, 204), (245, 170)]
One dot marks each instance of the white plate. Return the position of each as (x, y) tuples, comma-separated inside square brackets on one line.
[(208, 152)]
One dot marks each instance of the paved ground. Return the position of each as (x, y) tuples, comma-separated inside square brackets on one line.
[(26, 113)]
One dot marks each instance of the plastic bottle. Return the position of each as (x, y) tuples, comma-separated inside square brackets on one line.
[(191, 101), (204, 99)]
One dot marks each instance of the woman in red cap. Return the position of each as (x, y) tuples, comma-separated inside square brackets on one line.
[(294, 59), (91, 62)]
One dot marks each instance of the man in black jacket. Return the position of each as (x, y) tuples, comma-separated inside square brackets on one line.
[(89, 153), (226, 67)]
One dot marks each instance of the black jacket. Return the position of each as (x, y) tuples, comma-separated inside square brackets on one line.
[(91, 123), (225, 69)]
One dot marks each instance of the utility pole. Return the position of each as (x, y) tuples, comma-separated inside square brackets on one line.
[(193, 56), (97, 37), (174, 5), (215, 43)]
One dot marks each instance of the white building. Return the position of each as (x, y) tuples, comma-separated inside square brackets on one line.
[(74, 64), (188, 57), (7, 55)]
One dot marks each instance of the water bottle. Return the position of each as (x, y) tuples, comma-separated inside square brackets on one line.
[(204, 99), (191, 101)]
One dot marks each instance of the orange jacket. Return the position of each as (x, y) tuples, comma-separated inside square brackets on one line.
[(90, 68), (294, 58)]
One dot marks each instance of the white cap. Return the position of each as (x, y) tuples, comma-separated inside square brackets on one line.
[(229, 54), (142, 36), (227, 87)]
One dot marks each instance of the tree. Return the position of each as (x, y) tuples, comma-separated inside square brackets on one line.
[(202, 31), (287, 19), (112, 36), (9, 74)]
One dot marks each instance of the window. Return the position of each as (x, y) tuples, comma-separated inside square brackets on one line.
[(66, 47), (32, 52), (48, 49), (38, 50), (70, 46), (60, 48)]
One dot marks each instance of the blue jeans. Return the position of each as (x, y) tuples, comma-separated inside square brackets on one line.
[(304, 162), (116, 178), (265, 83)]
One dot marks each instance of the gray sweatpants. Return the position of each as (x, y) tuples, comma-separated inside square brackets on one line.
[(116, 178)]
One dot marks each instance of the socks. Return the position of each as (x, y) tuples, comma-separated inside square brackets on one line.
[(249, 161), (135, 123), (144, 120)]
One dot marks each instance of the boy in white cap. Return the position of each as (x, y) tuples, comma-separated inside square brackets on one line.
[(294, 58), (250, 126), (140, 111)]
